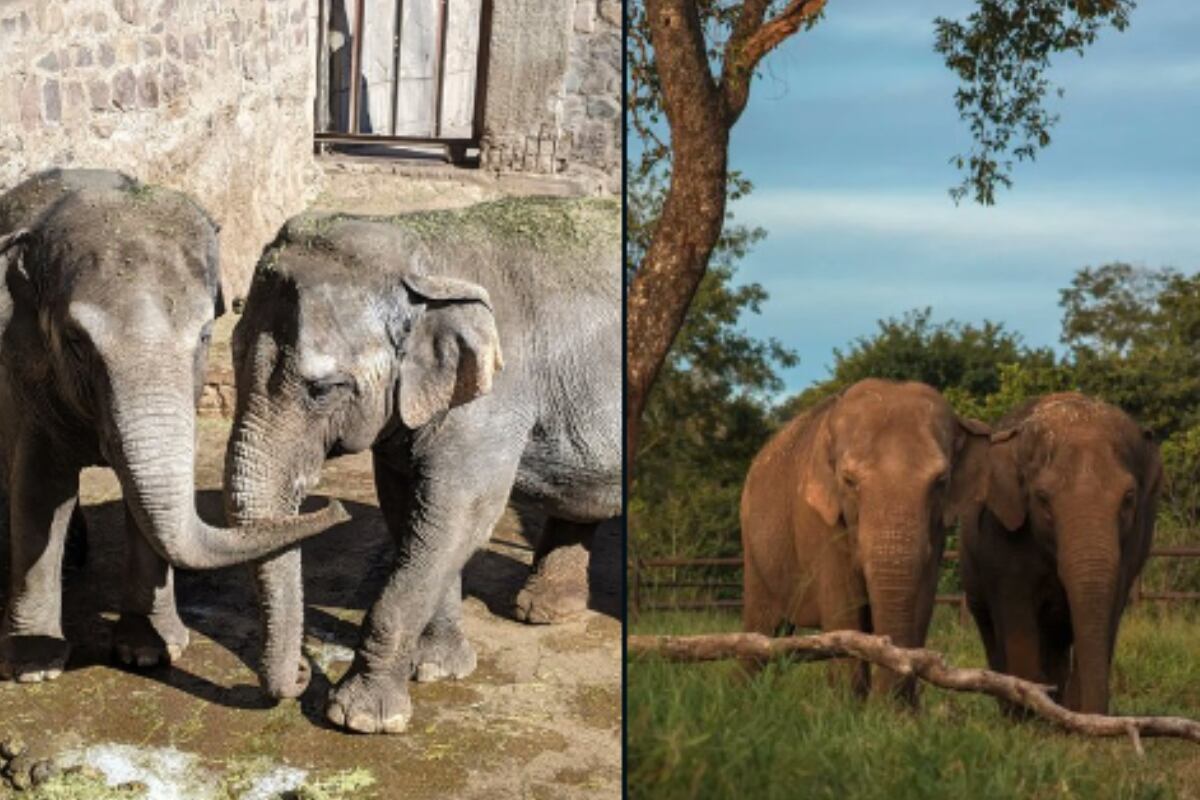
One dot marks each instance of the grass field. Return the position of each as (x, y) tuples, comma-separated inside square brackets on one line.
[(698, 731)]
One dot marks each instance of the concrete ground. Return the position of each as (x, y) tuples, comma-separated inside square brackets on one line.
[(540, 718)]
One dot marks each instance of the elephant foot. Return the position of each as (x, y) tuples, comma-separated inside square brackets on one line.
[(32, 659), (141, 640), (557, 590), (441, 655), (370, 703), (278, 684)]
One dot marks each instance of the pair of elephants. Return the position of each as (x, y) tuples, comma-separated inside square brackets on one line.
[(844, 516), (357, 333)]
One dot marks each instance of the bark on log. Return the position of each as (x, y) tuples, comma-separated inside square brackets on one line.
[(928, 665)]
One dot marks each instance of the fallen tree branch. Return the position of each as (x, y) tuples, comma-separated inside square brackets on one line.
[(928, 665)]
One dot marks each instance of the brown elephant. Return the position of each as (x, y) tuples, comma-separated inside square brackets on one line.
[(1049, 559), (844, 514)]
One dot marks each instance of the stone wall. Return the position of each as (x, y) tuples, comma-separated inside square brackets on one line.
[(213, 97), (554, 89)]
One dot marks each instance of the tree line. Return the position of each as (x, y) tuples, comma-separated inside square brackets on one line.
[(1130, 335)]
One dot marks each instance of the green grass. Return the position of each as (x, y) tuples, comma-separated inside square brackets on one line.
[(700, 731)]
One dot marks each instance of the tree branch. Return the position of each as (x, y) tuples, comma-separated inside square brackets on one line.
[(752, 39), (928, 665)]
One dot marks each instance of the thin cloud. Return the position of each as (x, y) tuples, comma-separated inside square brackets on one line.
[(1117, 224)]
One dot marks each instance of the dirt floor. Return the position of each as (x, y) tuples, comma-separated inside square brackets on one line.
[(540, 718)]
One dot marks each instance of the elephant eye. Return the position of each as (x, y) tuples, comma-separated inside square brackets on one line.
[(206, 334), (1042, 496), (1127, 500), (323, 389), (850, 481)]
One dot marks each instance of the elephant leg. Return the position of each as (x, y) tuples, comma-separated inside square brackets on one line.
[(987, 632), (77, 540), (557, 590), (443, 650), (843, 599), (1022, 643), (149, 631), (439, 518), (1056, 662), (760, 614), (1019, 638), (43, 494)]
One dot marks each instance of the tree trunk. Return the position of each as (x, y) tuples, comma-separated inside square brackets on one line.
[(694, 211)]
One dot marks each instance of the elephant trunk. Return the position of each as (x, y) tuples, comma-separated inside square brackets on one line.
[(894, 559), (154, 457), (1089, 559), (256, 488)]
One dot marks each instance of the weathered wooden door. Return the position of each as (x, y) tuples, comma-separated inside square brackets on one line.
[(401, 70)]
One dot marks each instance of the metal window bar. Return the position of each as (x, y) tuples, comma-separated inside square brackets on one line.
[(455, 146)]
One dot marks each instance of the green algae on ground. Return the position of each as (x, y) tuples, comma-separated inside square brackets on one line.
[(343, 785), (593, 705), (78, 785), (538, 222)]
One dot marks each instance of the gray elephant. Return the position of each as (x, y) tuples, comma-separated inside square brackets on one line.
[(1049, 559), (378, 333), (844, 514), (110, 291)]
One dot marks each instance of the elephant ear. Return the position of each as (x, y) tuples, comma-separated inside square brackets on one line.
[(1150, 484), (12, 259), (452, 350), (969, 473), (1004, 496), (820, 477)]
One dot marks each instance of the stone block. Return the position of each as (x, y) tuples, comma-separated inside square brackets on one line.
[(173, 81), (98, 94), (75, 107), (610, 12), (50, 18), (52, 98), (31, 102), (585, 16), (127, 50), (129, 11), (124, 90), (191, 48), (148, 88)]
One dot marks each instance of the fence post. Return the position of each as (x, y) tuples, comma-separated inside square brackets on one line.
[(963, 614)]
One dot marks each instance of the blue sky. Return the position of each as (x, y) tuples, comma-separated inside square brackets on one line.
[(847, 140)]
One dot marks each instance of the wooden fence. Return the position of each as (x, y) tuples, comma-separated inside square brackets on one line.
[(643, 584)]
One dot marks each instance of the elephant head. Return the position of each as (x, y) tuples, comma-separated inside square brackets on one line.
[(334, 354), (1082, 479), (111, 297), (895, 465)]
